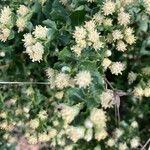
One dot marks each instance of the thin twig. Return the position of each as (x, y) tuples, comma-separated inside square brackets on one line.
[(145, 144), (23, 83), (109, 84)]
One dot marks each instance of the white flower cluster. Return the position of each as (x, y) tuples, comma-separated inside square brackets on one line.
[(22, 19), (139, 91), (147, 2), (107, 99), (34, 45), (62, 80), (68, 113), (86, 36), (5, 23)]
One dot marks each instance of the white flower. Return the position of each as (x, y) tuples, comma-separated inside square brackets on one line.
[(68, 113), (59, 95), (35, 52), (88, 123), (131, 39), (108, 53), (88, 135), (75, 133), (2, 54), (79, 34), (43, 115), (123, 18), (4, 34), (107, 22), (147, 92), (118, 133), (50, 73), (135, 142), (134, 124), (28, 40), (34, 123), (40, 32), (146, 71), (32, 139), (100, 135), (52, 133), (117, 68), (98, 117), (123, 146), (5, 17), (138, 91), (128, 31), (98, 18), (68, 147), (62, 80), (90, 26), (111, 142), (107, 99), (106, 63), (108, 7), (21, 23), (77, 50), (43, 137), (117, 35), (23, 10), (121, 46), (132, 77), (83, 79)]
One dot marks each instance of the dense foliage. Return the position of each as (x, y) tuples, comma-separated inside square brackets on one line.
[(74, 74)]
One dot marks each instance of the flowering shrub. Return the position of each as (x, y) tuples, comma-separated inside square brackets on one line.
[(74, 74)]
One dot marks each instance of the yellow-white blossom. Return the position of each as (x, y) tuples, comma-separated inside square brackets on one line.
[(50, 73), (121, 46), (132, 77), (83, 79), (88, 134), (4, 34), (123, 18), (118, 133), (134, 124), (68, 113), (28, 40), (23, 10), (117, 35), (5, 16), (62, 80), (108, 7), (98, 18), (40, 32), (75, 133), (147, 92), (131, 39), (107, 22), (35, 52), (122, 146), (43, 137), (34, 123), (146, 71), (98, 117), (117, 68), (100, 135), (107, 99), (135, 142), (138, 91), (32, 139), (106, 63), (21, 23), (111, 142)]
